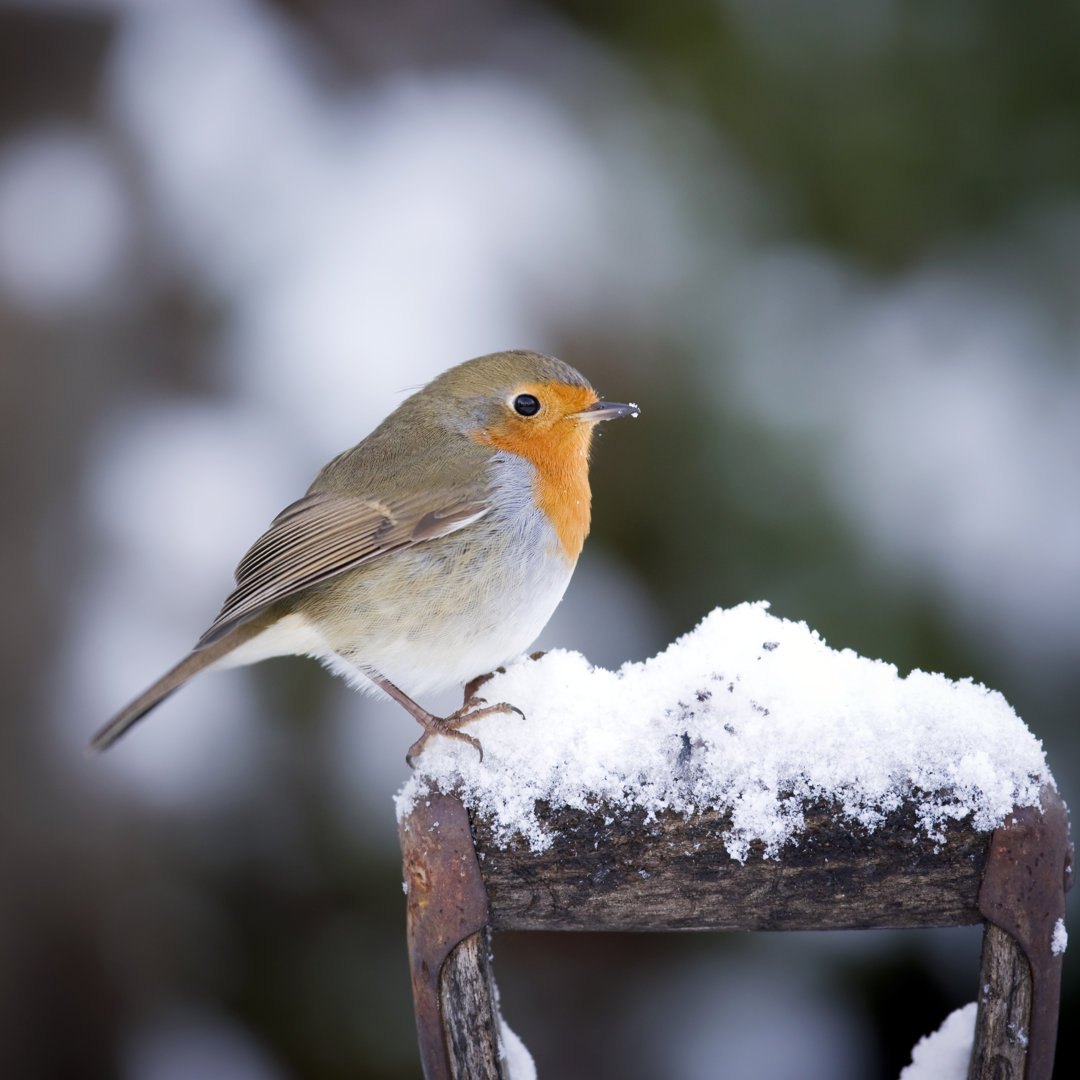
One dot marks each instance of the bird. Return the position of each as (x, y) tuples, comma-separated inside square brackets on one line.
[(434, 550)]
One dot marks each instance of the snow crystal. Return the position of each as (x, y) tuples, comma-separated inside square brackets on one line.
[(749, 713), (1059, 940), (944, 1055)]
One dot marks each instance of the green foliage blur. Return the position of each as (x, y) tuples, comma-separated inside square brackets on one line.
[(886, 129)]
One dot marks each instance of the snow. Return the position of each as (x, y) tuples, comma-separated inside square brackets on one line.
[(1059, 940), (518, 1062), (748, 712), (944, 1054)]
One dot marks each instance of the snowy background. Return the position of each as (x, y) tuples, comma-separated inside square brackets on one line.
[(834, 255)]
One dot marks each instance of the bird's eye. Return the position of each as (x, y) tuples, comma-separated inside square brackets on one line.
[(526, 405)]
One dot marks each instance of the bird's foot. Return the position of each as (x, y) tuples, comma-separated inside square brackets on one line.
[(473, 709), (473, 685)]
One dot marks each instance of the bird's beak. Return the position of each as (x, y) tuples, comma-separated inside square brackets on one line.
[(606, 410)]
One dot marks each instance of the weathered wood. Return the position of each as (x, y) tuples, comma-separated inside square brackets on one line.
[(1002, 1023), (613, 871), (1031, 867), (470, 1012), (445, 903)]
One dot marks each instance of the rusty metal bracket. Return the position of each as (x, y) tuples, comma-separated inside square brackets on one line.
[(1029, 870), (446, 902)]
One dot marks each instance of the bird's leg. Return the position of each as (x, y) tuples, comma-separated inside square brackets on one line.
[(439, 725), (474, 684)]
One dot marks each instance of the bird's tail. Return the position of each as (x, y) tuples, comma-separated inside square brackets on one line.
[(172, 680)]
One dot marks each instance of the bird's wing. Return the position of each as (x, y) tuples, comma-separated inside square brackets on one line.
[(324, 534)]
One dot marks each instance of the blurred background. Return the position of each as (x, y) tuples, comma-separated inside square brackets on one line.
[(833, 249)]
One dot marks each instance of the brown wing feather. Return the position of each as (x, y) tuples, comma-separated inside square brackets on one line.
[(324, 534)]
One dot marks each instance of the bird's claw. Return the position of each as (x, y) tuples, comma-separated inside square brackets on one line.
[(450, 725)]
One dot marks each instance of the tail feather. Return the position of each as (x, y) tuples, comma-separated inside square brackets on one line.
[(172, 680)]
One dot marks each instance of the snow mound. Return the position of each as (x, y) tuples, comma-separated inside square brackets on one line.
[(747, 712)]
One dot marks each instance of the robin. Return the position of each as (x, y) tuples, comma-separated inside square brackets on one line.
[(435, 549)]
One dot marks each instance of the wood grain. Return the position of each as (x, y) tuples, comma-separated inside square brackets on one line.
[(610, 870), (470, 1011), (1003, 1023)]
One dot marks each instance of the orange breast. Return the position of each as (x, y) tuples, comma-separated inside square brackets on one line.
[(559, 449)]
